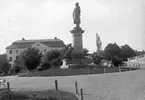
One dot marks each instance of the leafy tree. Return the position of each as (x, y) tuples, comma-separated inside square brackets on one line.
[(98, 43), (52, 58), (126, 52), (4, 65), (112, 50), (32, 58), (56, 63), (117, 61), (3, 59), (19, 63), (96, 58)]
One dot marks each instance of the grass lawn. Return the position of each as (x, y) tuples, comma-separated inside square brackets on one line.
[(37, 95), (69, 71)]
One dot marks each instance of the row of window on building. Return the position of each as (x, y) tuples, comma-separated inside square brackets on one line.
[(17, 51), (11, 51)]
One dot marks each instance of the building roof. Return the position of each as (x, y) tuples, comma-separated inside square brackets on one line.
[(27, 43)]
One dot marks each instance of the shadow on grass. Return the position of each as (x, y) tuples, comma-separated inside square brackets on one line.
[(37, 95)]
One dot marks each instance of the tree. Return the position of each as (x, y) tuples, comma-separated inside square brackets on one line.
[(126, 52), (112, 53), (112, 50), (117, 61), (56, 63), (96, 58), (4, 64), (19, 63), (98, 43), (52, 58), (5, 68), (32, 58)]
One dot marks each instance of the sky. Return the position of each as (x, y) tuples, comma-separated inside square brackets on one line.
[(119, 21)]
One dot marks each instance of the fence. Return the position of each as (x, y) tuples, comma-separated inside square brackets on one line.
[(39, 94)]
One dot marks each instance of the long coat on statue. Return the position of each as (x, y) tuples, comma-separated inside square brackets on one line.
[(76, 15)]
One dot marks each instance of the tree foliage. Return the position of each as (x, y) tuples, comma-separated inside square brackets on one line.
[(3, 59), (51, 58), (19, 63), (116, 54), (96, 58), (4, 64), (126, 52), (98, 43), (32, 58), (112, 50)]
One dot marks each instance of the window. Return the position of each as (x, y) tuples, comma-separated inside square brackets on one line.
[(16, 51), (10, 51), (10, 59)]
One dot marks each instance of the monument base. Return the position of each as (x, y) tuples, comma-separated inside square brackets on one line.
[(78, 58)]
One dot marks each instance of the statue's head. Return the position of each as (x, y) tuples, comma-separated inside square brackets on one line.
[(77, 4)]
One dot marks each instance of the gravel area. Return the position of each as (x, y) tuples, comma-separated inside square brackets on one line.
[(128, 85)]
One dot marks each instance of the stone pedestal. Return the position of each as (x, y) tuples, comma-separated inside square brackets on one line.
[(77, 39), (78, 54)]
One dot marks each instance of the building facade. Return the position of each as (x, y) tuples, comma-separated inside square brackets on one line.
[(43, 45)]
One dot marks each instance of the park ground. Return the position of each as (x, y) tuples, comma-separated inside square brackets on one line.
[(129, 85)]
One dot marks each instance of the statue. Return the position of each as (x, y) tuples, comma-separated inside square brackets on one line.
[(76, 15), (68, 52)]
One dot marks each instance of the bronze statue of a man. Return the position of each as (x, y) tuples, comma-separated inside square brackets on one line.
[(76, 15)]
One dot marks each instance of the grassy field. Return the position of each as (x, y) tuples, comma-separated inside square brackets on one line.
[(68, 72)]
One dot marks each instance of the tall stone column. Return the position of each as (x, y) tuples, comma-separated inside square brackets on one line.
[(78, 54), (77, 39)]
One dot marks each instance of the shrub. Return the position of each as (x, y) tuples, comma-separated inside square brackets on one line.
[(17, 69), (96, 58), (56, 63), (44, 66), (116, 61), (5, 68), (32, 58), (52, 58)]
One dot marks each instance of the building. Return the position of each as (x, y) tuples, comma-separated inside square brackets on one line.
[(43, 45)]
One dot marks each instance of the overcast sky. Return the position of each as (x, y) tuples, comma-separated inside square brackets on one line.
[(120, 21)]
